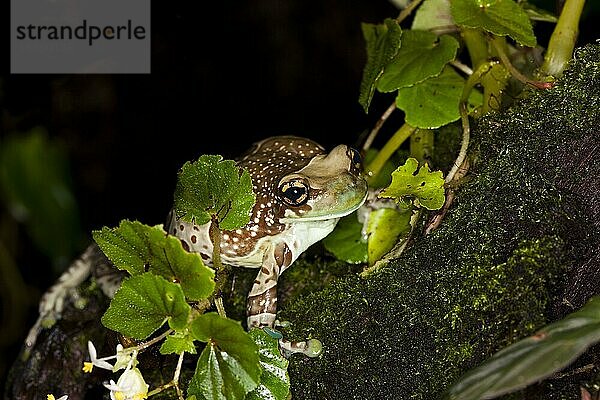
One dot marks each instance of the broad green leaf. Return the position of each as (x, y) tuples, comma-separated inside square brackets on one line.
[(35, 186), (226, 333), (424, 186), (434, 102), (384, 228), (534, 358), (422, 55), (432, 15), (139, 248), (500, 17), (274, 380), (177, 343), (127, 246), (383, 42), (143, 304), (229, 366), (346, 242), (213, 187)]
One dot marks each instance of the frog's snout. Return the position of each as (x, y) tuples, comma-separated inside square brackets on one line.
[(349, 157)]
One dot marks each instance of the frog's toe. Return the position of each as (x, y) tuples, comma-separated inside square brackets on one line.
[(282, 324), (310, 347)]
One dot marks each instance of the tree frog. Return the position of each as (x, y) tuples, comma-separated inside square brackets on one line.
[(301, 193)]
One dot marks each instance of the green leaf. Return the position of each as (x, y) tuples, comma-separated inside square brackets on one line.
[(500, 17), (538, 14), (426, 187), (127, 246), (422, 55), (534, 358), (139, 248), (35, 185), (177, 343), (213, 187), (384, 228), (432, 15), (434, 102), (383, 42), (143, 304), (346, 242), (274, 380), (229, 366)]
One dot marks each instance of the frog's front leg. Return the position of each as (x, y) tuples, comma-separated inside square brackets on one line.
[(262, 299)]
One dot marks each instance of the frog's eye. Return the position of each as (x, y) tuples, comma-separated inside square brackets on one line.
[(354, 155), (294, 193)]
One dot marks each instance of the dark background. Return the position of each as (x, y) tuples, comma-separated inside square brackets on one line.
[(223, 76)]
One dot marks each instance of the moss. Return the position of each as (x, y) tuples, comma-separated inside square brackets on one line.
[(311, 272), (488, 275)]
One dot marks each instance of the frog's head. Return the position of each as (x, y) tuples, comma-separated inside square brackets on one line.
[(330, 186)]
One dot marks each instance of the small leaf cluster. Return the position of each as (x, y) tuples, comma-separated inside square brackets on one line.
[(168, 285), (411, 188), (417, 64), (424, 187), (424, 67)]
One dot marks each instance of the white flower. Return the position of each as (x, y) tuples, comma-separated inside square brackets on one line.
[(51, 397), (125, 359), (95, 361), (130, 386)]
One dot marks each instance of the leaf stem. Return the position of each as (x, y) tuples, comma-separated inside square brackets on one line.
[(465, 69), (215, 237), (145, 345), (514, 71), (220, 307), (173, 383), (436, 220), (476, 45), (177, 374), (369, 141), (464, 116), (407, 10), (388, 150), (562, 41), (464, 146), (461, 164)]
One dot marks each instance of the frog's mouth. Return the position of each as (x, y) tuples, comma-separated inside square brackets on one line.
[(327, 216)]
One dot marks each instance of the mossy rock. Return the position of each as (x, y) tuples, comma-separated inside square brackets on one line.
[(518, 249)]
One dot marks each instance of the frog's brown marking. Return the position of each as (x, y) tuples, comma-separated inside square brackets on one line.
[(185, 245), (262, 299), (262, 309)]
